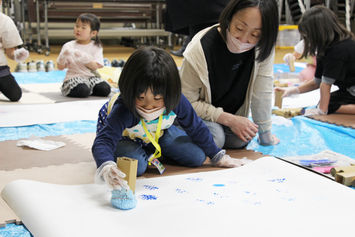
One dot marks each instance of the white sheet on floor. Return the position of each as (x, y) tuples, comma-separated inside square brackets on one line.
[(267, 197), (304, 100), (24, 115)]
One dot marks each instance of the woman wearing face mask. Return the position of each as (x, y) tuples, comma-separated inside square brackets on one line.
[(228, 70)]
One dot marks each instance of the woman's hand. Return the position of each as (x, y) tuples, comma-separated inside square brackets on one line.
[(240, 126)]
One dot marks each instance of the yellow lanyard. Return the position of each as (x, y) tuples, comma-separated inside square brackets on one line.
[(157, 152)]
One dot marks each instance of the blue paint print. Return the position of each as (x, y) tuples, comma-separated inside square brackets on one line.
[(178, 190), (194, 179), (147, 197), (208, 203), (150, 187), (277, 180), (219, 185), (219, 195)]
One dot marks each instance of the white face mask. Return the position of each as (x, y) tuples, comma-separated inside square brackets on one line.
[(235, 46), (150, 114)]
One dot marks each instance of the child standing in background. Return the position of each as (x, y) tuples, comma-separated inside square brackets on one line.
[(138, 122), (324, 35), (9, 39), (83, 57), (306, 74)]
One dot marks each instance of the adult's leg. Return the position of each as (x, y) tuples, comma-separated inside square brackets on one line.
[(134, 150), (232, 140), (177, 145), (217, 133), (10, 88)]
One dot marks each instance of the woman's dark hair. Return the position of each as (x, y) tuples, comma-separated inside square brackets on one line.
[(270, 22), (150, 68), (94, 22), (319, 28)]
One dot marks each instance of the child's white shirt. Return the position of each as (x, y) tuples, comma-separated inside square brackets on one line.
[(9, 37), (77, 68)]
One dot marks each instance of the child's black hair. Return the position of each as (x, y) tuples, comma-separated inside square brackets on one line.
[(150, 68), (269, 20), (319, 28), (94, 22)]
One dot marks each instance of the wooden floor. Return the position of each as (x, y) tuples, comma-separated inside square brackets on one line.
[(118, 52)]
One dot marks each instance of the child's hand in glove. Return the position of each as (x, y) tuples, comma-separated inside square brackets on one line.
[(20, 55), (229, 162), (289, 57), (288, 91), (314, 111), (81, 56), (64, 57), (110, 174)]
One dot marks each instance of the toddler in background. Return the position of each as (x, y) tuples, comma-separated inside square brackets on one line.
[(83, 57), (306, 74), (9, 39)]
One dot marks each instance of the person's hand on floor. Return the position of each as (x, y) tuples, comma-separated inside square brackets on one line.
[(111, 175), (288, 91), (228, 162), (221, 159), (21, 55), (314, 111), (267, 139)]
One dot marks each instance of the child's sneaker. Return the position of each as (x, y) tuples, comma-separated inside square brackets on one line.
[(50, 66), (107, 62), (21, 67), (40, 66), (31, 67)]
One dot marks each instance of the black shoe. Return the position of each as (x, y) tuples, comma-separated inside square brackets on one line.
[(118, 63), (178, 52)]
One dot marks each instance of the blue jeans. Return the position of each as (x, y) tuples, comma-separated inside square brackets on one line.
[(224, 137), (174, 143)]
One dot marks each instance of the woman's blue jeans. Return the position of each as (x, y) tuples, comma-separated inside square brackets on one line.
[(174, 143)]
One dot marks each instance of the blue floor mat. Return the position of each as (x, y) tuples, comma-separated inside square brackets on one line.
[(283, 67), (307, 137), (56, 76), (13, 230), (43, 130)]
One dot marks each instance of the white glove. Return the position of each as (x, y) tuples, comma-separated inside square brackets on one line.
[(20, 55), (289, 57), (292, 92), (267, 139), (81, 56), (110, 174), (314, 111), (64, 57), (229, 162)]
